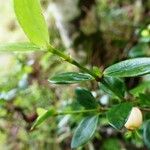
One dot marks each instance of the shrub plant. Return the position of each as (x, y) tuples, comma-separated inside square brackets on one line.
[(129, 110)]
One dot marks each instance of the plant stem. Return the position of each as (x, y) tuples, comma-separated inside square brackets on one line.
[(145, 109), (82, 111), (73, 62), (77, 112)]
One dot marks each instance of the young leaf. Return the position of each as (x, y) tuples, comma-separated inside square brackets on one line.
[(18, 47), (70, 78), (85, 98), (84, 131), (113, 86), (118, 115), (44, 116), (97, 71), (29, 15), (41, 111), (146, 133), (129, 68)]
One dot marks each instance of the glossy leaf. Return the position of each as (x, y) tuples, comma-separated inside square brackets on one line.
[(129, 68), (85, 98), (29, 15), (43, 117), (18, 47), (146, 133), (70, 78), (84, 131), (113, 86), (118, 115)]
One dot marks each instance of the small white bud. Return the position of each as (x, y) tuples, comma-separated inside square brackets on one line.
[(135, 119)]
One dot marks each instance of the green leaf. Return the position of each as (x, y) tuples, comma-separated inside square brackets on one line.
[(70, 78), (84, 131), (118, 115), (129, 68), (111, 144), (97, 71), (85, 98), (18, 47), (41, 111), (44, 116), (29, 15), (141, 88), (113, 86), (146, 134), (141, 49), (144, 100)]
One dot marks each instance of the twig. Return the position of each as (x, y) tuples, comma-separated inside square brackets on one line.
[(145, 109)]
